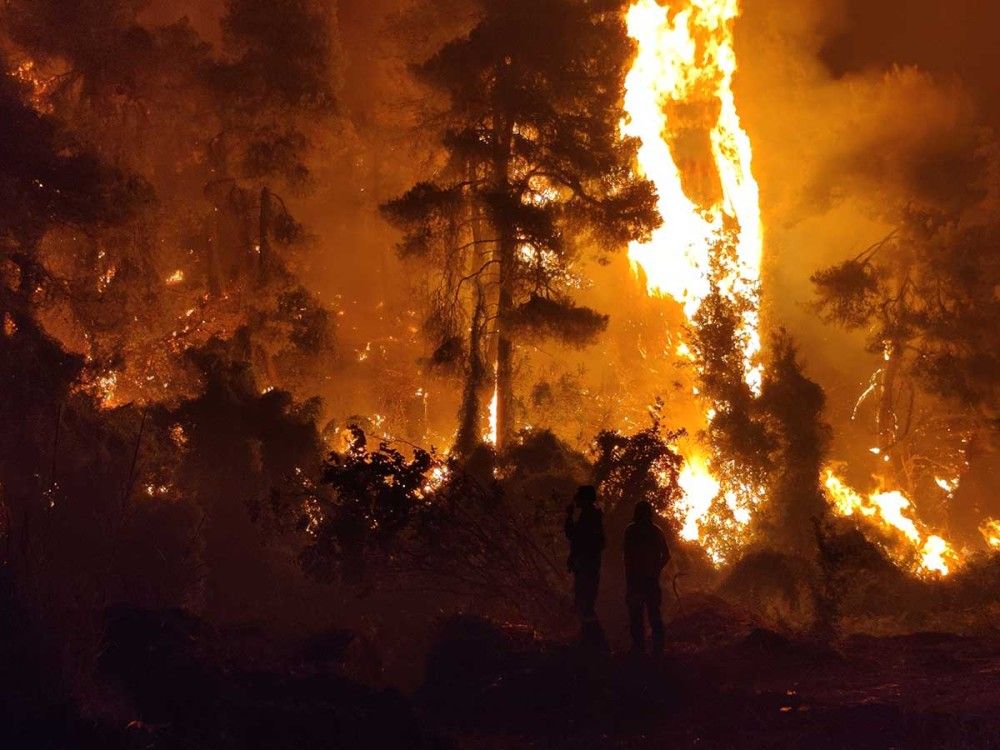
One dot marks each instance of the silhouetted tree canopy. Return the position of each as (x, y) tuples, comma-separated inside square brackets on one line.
[(537, 168), (642, 466)]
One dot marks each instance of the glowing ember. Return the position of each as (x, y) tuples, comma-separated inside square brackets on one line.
[(891, 513), (106, 385), (990, 529), (105, 279), (947, 485), (27, 72), (175, 278), (436, 479), (178, 435)]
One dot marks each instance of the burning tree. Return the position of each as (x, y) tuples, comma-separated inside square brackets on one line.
[(535, 165), (769, 443), (925, 300), (219, 134), (48, 179)]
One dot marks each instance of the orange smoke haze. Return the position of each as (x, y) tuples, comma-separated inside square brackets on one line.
[(850, 109)]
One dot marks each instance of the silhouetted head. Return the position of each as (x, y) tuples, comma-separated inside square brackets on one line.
[(586, 495), (643, 512)]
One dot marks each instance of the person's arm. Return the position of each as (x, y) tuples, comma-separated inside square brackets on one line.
[(569, 527)]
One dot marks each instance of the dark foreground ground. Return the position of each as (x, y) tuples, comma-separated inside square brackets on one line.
[(759, 691), (173, 682)]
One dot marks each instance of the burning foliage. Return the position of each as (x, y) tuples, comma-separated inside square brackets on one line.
[(642, 466), (534, 159), (548, 318), (197, 435), (383, 519)]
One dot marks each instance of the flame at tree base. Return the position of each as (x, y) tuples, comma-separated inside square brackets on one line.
[(889, 513), (681, 106)]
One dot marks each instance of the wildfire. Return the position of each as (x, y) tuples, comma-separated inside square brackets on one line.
[(688, 58), (990, 529), (892, 514), (700, 489), (436, 479), (27, 73), (491, 436), (681, 106)]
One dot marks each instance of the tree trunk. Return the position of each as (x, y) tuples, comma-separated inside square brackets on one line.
[(470, 433), (264, 259), (506, 257), (505, 346)]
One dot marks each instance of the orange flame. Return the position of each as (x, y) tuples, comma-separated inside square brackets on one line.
[(990, 529), (491, 436), (681, 106), (688, 57), (892, 513)]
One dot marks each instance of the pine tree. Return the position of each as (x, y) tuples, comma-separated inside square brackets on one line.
[(220, 134), (767, 448), (924, 298), (537, 166)]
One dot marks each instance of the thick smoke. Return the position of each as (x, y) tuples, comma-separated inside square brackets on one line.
[(855, 110), (843, 139)]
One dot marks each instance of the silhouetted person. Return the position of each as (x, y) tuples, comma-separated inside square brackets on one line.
[(646, 554), (586, 543)]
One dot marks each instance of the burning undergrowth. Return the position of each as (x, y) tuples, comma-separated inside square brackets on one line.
[(182, 435), (485, 533)]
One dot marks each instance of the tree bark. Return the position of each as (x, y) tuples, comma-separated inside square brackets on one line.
[(470, 432), (506, 257), (886, 418), (505, 347)]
